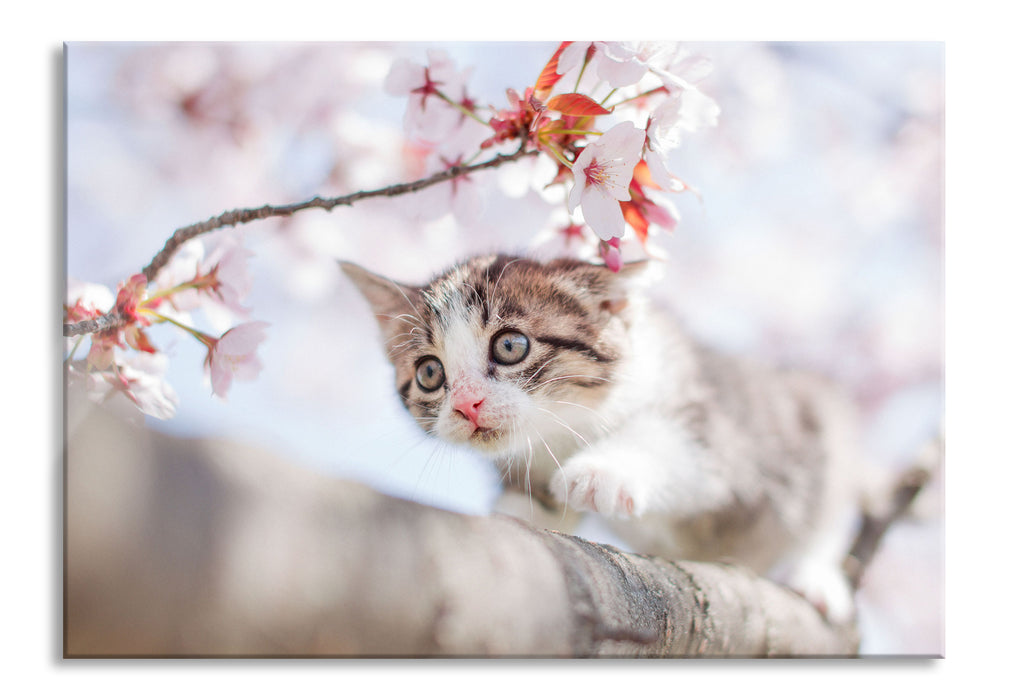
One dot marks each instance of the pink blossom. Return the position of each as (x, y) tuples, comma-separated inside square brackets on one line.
[(662, 135), (139, 380), (429, 119), (525, 117), (137, 339), (688, 109), (182, 269), (573, 231), (87, 300), (677, 66), (602, 174), (101, 355), (128, 298), (233, 356), (216, 282), (146, 387), (461, 196), (610, 252), (697, 110), (228, 280), (616, 62)]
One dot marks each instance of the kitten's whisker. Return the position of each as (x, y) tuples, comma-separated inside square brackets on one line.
[(557, 419), (571, 376), (529, 380), (408, 300), (556, 462), (529, 489), (427, 470), (493, 291), (603, 422)]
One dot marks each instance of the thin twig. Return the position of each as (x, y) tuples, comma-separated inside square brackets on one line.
[(97, 324), (875, 524), (235, 217)]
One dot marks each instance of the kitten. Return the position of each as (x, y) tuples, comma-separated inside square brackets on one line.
[(590, 400)]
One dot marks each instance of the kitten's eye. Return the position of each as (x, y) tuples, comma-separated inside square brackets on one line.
[(430, 374), (509, 347)]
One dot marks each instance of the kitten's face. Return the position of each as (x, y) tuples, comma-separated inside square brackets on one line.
[(500, 352)]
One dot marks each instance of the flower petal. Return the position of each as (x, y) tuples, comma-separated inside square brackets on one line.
[(621, 73), (243, 339), (602, 213), (404, 75), (572, 56), (624, 140)]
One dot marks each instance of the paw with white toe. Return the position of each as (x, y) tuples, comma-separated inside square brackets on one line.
[(582, 485), (827, 588)]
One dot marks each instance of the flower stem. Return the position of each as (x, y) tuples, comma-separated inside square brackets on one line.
[(161, 293), (73, 350), (462, 108), (199, 335), (585, 64), (558, 155), (653, 91), (579, 132), (611, 94)]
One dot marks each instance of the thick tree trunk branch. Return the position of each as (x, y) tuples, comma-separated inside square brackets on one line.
[(178, 547)]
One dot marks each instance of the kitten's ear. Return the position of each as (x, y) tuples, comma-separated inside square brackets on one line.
[(390, 301), (625, 284)]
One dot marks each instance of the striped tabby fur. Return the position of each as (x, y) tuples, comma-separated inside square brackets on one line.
[(607, 406)]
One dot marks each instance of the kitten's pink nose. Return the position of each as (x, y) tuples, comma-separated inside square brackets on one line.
[(468, 404)]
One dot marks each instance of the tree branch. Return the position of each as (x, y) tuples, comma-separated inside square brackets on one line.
[(877, 519), (181, 548), (235, 217)]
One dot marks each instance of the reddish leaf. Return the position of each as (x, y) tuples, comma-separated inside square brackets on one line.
[(643, 175), (549, 77), (554, 125), (576, 104), (634, 216)]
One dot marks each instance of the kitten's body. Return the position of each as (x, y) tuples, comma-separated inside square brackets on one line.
[(611, 408)]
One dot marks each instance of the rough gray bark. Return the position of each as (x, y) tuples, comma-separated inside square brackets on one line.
[(187, 548)]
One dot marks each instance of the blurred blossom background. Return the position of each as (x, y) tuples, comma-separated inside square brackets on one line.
[(813, 236)]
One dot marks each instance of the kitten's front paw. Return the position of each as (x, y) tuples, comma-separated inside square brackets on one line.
[(583, 486)]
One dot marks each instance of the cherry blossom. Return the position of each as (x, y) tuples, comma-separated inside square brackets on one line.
[(194, 277), (602, 174), (233, 356), (662, 135), (610, 253), (678, 67), (108, 371), (616, 62), (525, 117), (227, 280), (430, 119), (141, 381), (137, 382), (180, 271), (641, 211), (461, 196), (697, 110), (87, 299), (101, 355), (129, 297), (611, 177)]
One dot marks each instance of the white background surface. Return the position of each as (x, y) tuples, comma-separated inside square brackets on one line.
[(976, 350)]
